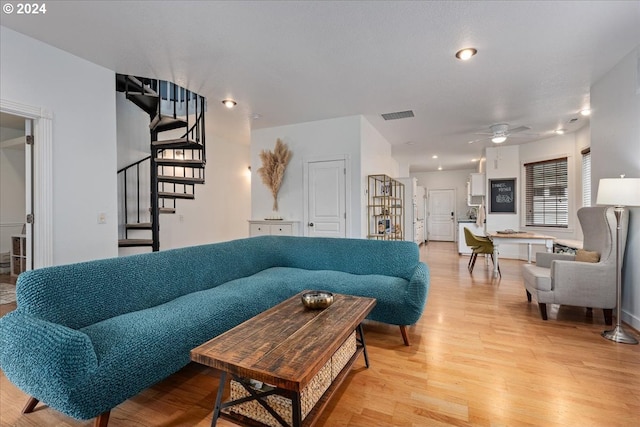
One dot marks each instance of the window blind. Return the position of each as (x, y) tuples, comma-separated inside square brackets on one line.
[(586, 177), (547, 198)]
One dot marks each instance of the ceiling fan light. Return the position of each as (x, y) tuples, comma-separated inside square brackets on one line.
[(466, 54), (498, 139)]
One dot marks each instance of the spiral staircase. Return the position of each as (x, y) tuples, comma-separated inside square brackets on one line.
[(150, 186)]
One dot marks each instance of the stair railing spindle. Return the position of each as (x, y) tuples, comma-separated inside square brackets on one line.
[(126, 216)]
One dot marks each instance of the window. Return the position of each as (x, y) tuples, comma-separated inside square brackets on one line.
[(586, 177), (547, 197)]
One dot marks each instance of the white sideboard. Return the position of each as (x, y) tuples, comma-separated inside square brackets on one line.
[(273, 228)]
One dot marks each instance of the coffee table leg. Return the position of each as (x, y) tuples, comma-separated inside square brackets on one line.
[(216, 409), (296, 410), (364, 346)]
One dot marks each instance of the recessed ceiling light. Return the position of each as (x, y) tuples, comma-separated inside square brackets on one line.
[(586, 112), (466, 53), (560, 131), (410, 143), (255, 116), (498, 139), (439, 168), (229, 103), (435, 156), (474, 160)]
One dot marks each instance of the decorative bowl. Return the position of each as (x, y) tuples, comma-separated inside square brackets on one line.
[(317, 300)]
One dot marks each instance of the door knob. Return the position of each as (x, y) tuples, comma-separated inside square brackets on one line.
[(310, 224)]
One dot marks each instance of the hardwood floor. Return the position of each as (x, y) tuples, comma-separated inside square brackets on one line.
[(480, 356)]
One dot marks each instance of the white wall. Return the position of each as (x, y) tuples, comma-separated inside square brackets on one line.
[(504, 162), (81, 97), (351, 137), (221, 205), (444, 180), (375, 159), (321, 139), (615, 149)]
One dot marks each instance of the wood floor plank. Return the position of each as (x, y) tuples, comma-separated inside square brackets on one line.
[(480, 356)]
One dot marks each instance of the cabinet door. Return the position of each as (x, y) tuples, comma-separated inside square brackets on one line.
[(259, 230), (281, 229), (477, 184)]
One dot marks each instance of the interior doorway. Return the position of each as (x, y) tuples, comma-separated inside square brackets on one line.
[(16, 160), (442, 215)]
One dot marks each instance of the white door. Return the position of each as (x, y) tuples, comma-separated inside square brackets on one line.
[(326, 211), (28, 184), (442, 215)]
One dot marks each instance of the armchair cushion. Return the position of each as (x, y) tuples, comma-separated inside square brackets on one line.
[(587, 256), (539, 278)]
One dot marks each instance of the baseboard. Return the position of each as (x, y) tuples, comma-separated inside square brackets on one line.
[(631, 320)]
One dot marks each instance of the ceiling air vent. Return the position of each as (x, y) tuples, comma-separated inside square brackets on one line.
[(398, 115)]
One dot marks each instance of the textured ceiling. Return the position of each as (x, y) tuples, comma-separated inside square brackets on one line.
[(293, 62)]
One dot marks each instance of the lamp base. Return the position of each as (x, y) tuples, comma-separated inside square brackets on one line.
[(618, 334)]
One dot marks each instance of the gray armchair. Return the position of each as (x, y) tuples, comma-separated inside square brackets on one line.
[(560, 279)]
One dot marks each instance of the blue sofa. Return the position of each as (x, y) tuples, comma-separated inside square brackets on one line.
[(87, 336)]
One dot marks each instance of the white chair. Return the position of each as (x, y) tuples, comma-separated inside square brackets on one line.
[(560, 279)]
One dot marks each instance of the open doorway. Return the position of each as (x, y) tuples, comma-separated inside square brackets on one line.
[(15, 202)]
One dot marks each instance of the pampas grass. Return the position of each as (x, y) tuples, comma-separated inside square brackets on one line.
[(273, 167)]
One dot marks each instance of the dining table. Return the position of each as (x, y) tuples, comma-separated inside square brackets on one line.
[(523, 237)]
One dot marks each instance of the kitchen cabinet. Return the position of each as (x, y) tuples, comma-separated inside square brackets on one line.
[(477, 184)]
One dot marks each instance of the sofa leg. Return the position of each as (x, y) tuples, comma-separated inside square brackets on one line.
[(528, 296), (405, 336), (608, 316), (102, 420), (543, 310), (30, 406)]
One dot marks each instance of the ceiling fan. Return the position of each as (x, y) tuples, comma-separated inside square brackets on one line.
[(500, 132)]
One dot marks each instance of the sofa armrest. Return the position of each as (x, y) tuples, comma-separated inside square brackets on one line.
[(543, 259), (417, 290), (41, 357)]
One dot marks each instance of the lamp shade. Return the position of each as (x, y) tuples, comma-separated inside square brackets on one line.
[(619, 192)]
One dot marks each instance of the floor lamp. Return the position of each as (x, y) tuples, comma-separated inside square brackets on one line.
[(619, 192)]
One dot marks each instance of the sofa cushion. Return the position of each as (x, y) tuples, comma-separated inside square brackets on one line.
[(587, 256), (539, 277), (390, 292)]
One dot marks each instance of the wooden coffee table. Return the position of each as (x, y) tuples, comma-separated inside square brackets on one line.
[(289, 348)]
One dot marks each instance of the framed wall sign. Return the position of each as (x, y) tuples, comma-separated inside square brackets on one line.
[(502, 195)]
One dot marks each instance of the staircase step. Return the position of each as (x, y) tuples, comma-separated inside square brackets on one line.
[(183, 143), (167, 195), (165, 123), (181, 163), (180, 179), (139, 226), (146, 102), (129, 243), (167, 210)]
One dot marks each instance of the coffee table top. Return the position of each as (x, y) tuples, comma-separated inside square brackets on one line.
[(286, 345)]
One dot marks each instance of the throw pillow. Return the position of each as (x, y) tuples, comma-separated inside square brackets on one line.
[(587, 256)]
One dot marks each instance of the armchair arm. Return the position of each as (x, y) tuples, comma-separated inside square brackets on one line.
[(44, 358), (583, 284), (543, 259)]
